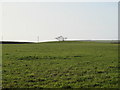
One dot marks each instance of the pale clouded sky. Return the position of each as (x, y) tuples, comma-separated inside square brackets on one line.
[(75, 20)]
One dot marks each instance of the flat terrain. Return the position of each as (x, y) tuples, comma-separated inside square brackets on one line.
[(60, 65)]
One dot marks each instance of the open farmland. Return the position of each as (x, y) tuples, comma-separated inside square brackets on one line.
[(75, 64)]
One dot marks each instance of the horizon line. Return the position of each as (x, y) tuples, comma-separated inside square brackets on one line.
[(56, 40)]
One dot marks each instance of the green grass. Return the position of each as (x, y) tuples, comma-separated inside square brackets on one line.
[(60, 65)]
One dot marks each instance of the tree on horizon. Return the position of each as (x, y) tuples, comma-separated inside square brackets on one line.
[(61, 38)]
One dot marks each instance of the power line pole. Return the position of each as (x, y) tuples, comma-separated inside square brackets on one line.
[(38, 39), (2, 38)]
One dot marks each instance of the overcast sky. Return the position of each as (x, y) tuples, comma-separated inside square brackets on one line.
[(75, 20)]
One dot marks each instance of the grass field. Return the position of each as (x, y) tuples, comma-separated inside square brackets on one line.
[(60, 65)]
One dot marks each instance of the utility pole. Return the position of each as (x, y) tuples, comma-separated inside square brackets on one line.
[(38, 39), (2, 38)]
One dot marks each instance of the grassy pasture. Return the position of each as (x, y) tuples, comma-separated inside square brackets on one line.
[(60, 65)]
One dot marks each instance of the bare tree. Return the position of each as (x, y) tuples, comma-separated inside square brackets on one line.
[(61, 38)]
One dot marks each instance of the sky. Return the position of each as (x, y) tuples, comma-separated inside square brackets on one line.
[(25, 21)]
